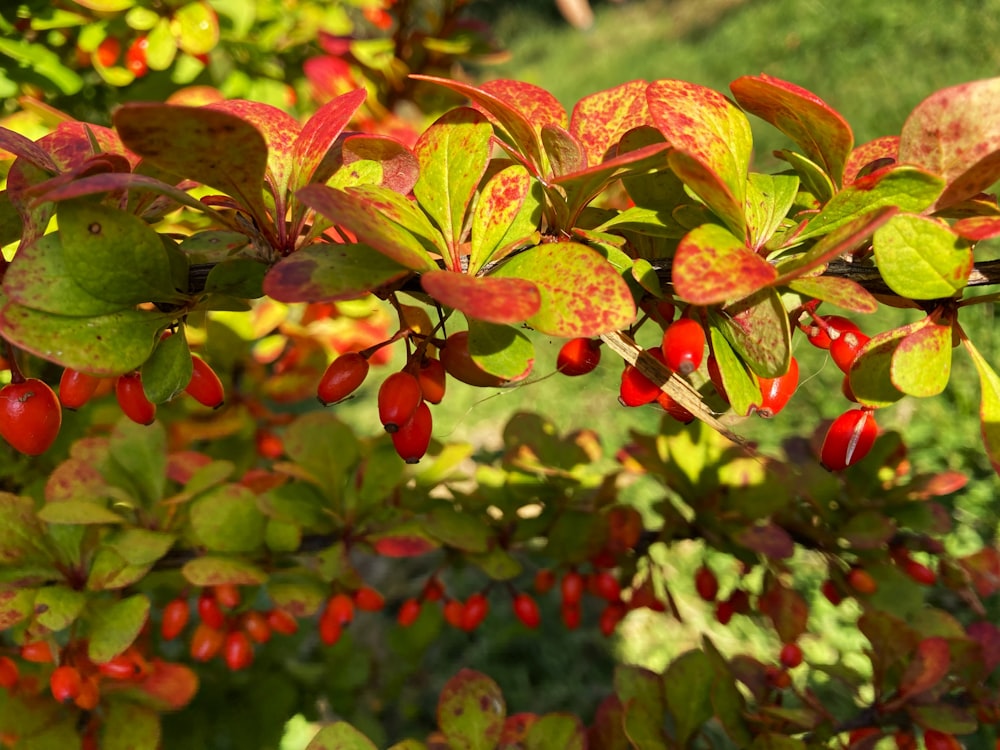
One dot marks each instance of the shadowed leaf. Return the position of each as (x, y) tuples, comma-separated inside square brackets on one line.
[(471, 711), (929, 666), (114, 627), (501, 350), (213, 570), (758, 329), (324, 273), (880, 152)]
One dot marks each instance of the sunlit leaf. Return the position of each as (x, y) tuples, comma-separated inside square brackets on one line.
[(921, 258), (989, 407), (600, 120), (324, 273), (712, 266), (491, 299), (921, 364)]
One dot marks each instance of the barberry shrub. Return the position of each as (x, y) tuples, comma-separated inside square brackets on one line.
[(157, 555)]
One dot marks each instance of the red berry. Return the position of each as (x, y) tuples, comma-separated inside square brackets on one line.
[(526, 610), (398, 399), (919, 572), (205, 386), (433, 590), (831, 592), (673, 408), (108, 51), (135, 57), (724, 612), (606, 586), (545, 579), (344, 376), (76, 388), (777, 678), (579, 356), (65, 683), (611, 615), (474, 612), (571, 615), (378, 17), (268, 444), (209, 610), (30, 416), (433, 379), (412, 439), (175, 618), (37, 652), (340, 607), (706, 584), (849, 439), (408, 612), (453, 613), (861, 581), (256, 626), (368, 599), (237, 650), (819, 336), (859, 734), (571, 589), (904, 740), (132, 399), (844, 348), (458, 361), (791, 655), (9, 673), (330, 629), (120, 667), (684, 345), (776, 392), (282, 622), (636, 389), (228, 595), (935, 740), (90, 693)]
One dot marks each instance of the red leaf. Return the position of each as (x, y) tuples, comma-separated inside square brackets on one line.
[(975, 228), (536, 104), (768, 539), (488, 298), (987, 635), (788, 611), (318, 136), (403, 546), (600, 120), (171, 686), (929, 666), (882, 151), (711, 266)]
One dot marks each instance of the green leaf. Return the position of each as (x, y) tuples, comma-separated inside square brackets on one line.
[(641, 693), (712, 266), (226, 519), (78, 512), (758, 329), (130, 726), (213, 570), (564, 731), (769, 197), (777, 742), (103, 345), (569, 309), (141, 453), (325, 447), (114, 627), (237, 277), (871, 372), (498, 564), (457, 529), (340, 736), (324, 273), (728, 703), (453, 154), (921, 258), (501, 350), (16, 604), (161, 47), (989, 406), (488, 298), (742, 388), (168, 372), (110, 571), (921, 364), (43, 61), (57, 607), (21, 534), (471, 711), (843, 293), (196, 26), (688, 684)]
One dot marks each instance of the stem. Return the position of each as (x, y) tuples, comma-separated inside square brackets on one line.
[(16, 376)]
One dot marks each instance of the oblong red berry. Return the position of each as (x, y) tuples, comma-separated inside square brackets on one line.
[(611, 615), (408, 613), (256, 626), (30, 416), (706, 584), (237, 650), (571, 588), (344, 376), (775, 393), (413, 438), (684, 345), (205, 386), (282, 622), (398, 398), (132, 399), (209, 610), (10, 674), (821, 335), (65, 683), (433, 380), (474, 611), (458, 361), (791, 655), (175, 618), (844, 348), (368, 599), (636, 389), (579, 356), (848, 439), (526, 610), (76, 388)]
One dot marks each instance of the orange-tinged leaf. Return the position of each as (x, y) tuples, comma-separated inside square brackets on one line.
[(712, 143), (564, 151), (989, 407), (600, 120), (495, 300), (399, 166), (536, 104), (712, 266), (323, 273), (880, 152), (836, 290), (929, 666), (171, 686), (508, 210), (318, 135)]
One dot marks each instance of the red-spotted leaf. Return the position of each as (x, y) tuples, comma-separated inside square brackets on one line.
[(836, 290), (453, 154), (921, 258), (769, 197), (495, 300), (398, 167), (600, 120), (564, 151), (581, 293), (403, 542), (216, 148), (23, 147), (712, 143), (471, 711), (712, 266), (928, 667), (370, 213), (869, 157), (509, 209), (215, 570), (814, 125), (340, 736), (976, 228), (323, 273), (955, 133), (758, 330), (318, 135), (989, 407), (536, 104), (921, 364)]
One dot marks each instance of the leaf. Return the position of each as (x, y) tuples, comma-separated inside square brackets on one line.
[(103, 345), (870, 374), (688, 684), (326, 273), (921, 363), (771, 741), (226, 519), (114, 627), (769, 198), (641, 693), (498, 564), (196, 27), (237, 277), (325, 447), (767, 539), (929, 666), (501, 350), (321, 131), (954, 133), (921, 258), (712, 266), (110, 571), (366, 210), (169, 686), (16, 604), (453, 154), (456, 529), (214, 147), (492, 299), (140, 453), (814, 125), (601, 119), (129, 726), (214, 570), (989, 406), (57, 607), (340, 736), (564, 731), (868, 157), (78, 512), (758, 329), (397, 166), (564, 151), (844, 293), (509, 209), (869, 529), (787, 610), (168, 372), (569, 308), (21, 534), (471, 711), (712, 144), (742, 388)]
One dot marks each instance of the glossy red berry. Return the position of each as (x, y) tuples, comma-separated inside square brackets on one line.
[(237, 650), (844, 349), (256, 626), (819, 334), (344, 376), (205, 386), (135, 57), (571, 615), (904, 740), (108, 51), (120, 667), (848, 439), (919, 572), (706, 584), (330, 629), (228, 595), (526, 610), (861, 581), (282, 622), (433, 380), (673, 408), (775, 393), (90, 693), (65, 683), (340, 607), (579, 356), (413, 438), (76, 388), (571, 588), (433, 590), (9, 673), (636, 389), (209, 610), (398, 398), (684, 345), (724, 612), (606, 586), (368, 599), (791, 655), (474, 611), (175, 618), (30, 416), (458, 361), (132, 399), (831, 592), (453, 613), (611, 615), (935, 740), (408, 613)]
